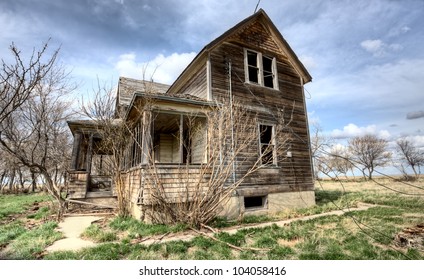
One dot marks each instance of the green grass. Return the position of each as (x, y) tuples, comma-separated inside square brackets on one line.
[(358, 235), (24, 243), (16, 204), (31, 243), (222, 222), (11, 231), (95, 233), (137, 229), (361, 235), (42, 213)]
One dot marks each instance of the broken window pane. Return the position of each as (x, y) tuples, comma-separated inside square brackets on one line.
[(260, 69), (268, 75), (266, 144), (252, 62)]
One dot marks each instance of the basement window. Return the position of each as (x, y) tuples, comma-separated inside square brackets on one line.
[(260, 69), (254, 202)]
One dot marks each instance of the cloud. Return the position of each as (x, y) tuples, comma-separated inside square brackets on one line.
[(372, 46), (378, 48), (416, 140), (162, 69), (399, 30), (309, 62), (415, 115), (352, 130)]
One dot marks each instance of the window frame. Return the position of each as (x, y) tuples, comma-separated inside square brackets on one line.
[(271, 143), (260, 66)]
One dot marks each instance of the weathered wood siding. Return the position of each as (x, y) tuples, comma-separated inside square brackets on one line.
[(291, 174), (197, 85), (168, 149), (270, 106), (77, 184), (198, 143), (177, 183), (132, 180)]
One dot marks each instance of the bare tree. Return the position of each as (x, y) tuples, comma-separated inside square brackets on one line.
[(370, 152), (33, 132), (204, 190), (320, 145), (340, 160), (12, 174), (411, 155), (114, 134), (334, 163), (19, 79)]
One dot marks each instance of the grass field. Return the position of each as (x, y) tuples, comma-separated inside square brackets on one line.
[(366, 235)]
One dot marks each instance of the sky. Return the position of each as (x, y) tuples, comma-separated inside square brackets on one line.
[(365, 56)]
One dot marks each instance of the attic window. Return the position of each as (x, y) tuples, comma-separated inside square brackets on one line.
[(260, 69)]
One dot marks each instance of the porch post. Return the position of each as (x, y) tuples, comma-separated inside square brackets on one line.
[(89, 153), (76, 150), (88, 161), (146, 139), (181, 138)]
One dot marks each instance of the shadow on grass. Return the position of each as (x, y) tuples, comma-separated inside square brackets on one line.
[(323, 197)]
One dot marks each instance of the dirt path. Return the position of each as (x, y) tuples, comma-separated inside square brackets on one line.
[(187, 236), (72, 227)]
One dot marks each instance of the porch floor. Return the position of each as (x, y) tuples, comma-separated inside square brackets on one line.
[(94, 194)]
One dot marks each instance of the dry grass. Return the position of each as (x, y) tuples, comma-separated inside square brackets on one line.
[(379, 185), (369, 234)]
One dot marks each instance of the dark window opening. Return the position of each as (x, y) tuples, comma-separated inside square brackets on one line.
[(254, 202), (268, 75), (266, 144), (252, 64)]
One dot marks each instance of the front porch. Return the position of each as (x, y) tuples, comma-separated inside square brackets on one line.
[(89, 178), (83, 185)]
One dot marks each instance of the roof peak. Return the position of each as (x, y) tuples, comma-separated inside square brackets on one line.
[(123, 79)]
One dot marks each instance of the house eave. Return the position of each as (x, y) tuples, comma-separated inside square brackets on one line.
[(171, 99), (203, 54)]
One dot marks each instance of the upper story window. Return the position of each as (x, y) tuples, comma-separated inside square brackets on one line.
[(260, 69)]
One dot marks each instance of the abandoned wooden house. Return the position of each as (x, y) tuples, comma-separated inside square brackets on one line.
[(177, 150)]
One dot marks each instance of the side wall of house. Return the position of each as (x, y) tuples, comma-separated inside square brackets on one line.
[(197, 84), (293, 173), (289, 183)]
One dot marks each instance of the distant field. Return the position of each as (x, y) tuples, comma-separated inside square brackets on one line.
[(378, 185)]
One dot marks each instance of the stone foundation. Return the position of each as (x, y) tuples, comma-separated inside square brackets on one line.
[(275, 202), (235, 208)]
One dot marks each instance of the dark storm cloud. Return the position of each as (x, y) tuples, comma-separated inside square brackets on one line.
[(350, 55), (104, 24), (415, 115)]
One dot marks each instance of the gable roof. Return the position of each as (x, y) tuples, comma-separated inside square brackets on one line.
[(270, 27), (127, 87)]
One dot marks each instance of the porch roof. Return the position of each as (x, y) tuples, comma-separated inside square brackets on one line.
[(189, 101), (87, 126)]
